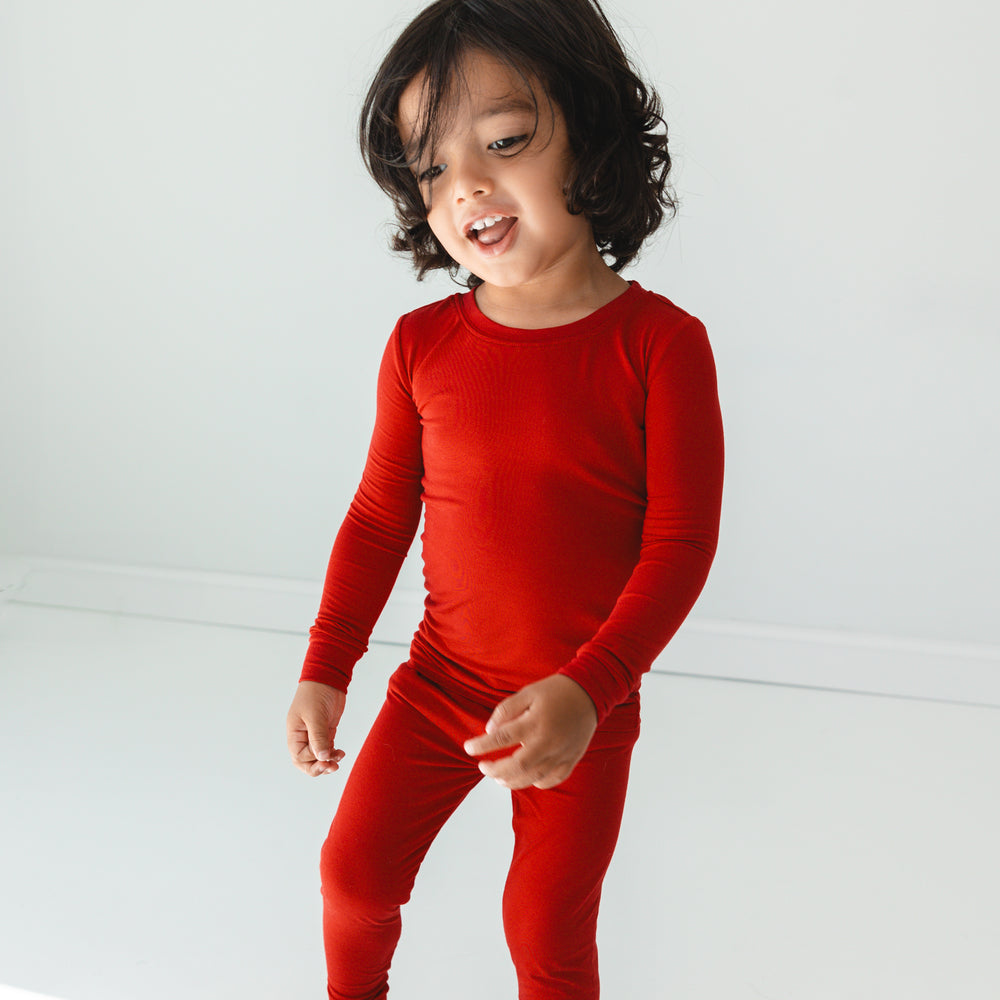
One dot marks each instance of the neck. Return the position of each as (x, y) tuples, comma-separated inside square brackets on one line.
[(558, 297)]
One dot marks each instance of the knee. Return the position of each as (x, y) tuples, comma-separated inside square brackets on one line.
[(551, 927), (355, 879)]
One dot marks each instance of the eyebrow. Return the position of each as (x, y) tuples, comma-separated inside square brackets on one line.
[(504, 105), (499, 106)]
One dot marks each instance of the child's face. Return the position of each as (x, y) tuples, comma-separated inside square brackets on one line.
[(473, 178)]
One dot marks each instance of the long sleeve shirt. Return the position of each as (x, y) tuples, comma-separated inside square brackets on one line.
[(571, 484)]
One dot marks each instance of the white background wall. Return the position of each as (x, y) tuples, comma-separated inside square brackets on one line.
[(195, 290)]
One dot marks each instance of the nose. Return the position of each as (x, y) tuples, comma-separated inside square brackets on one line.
[(471, 178)]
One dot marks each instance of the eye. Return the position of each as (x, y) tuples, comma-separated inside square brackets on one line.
[(431, 173), (501, 145)]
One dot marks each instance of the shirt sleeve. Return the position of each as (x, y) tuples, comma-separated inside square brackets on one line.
[(684, 471), (376, 533)]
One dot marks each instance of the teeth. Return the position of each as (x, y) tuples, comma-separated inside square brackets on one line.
[(490, 220)]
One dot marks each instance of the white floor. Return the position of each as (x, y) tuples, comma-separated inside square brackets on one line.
[(780, 843)]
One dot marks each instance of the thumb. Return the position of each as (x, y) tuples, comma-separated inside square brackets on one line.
[(321, 737)]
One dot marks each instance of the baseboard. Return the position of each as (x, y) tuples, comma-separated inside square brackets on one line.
[(967, 673), (832, 660), (269, 603)]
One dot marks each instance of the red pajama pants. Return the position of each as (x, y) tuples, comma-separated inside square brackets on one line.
[(409, 777)]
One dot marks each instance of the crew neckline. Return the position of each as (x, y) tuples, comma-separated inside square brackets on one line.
[(479, 323)]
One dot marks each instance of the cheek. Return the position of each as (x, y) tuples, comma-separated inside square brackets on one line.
[(434, 221), (554, 182), (446, 236)]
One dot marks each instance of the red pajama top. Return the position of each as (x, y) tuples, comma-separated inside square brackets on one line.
[(571, 482)]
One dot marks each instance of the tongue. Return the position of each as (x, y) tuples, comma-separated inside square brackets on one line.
[(496, 232)]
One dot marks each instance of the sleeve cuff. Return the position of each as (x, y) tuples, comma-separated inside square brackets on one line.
[(606, 687), (327, 664)]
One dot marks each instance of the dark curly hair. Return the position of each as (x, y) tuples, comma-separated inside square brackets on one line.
[(614, 121)]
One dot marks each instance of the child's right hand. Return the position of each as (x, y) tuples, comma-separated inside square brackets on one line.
[(311, 727)]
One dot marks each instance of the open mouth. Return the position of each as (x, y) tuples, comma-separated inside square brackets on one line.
[(491, 229)]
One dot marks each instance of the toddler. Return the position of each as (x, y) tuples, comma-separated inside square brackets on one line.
[(559, 427)]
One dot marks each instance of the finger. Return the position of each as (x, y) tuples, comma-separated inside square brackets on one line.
[(538, 778), (325, 766), (321, 749), (553, 778), (510, 708), (500, 734), (320, 740), (507, 736), (303, 755), (519, 770), (298, 743), (321, 734)]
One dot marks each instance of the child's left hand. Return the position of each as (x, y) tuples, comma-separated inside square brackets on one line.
[(552, 721)]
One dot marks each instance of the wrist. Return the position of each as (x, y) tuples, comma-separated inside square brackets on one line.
[(580, 694)]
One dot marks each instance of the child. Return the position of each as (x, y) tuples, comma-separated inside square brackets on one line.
[(560, 428)]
